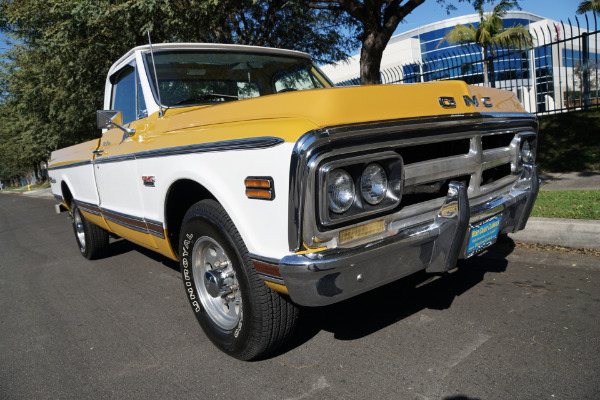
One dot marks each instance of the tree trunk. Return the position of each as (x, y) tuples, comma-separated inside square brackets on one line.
[(488, 70), (486, 77), (373, 45)]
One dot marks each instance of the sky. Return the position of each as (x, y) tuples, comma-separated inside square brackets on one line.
[(431, 11)]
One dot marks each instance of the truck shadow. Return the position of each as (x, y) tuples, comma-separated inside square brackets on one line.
[(121, 246), (375, 310), (368, 313)]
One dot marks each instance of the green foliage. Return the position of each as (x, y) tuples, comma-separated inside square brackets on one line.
[(589, 5), (490, 32), (52, 80), (568, 142)]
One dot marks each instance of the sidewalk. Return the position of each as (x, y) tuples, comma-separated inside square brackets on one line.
[(576, 233), (45, 193)]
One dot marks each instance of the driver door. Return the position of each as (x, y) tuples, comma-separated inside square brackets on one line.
[(115, 167)]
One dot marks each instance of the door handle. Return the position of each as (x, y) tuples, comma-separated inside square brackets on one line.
[(98, 152)]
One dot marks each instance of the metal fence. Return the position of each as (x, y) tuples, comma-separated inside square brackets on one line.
[(558, 71)]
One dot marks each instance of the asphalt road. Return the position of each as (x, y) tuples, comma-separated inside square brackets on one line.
[(508, 324)]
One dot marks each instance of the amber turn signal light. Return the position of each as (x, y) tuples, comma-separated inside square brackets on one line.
[(261, 188)]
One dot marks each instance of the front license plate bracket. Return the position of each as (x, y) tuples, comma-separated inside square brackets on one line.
[(483, 234)]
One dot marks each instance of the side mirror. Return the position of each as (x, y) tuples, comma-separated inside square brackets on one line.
[(108, 119)]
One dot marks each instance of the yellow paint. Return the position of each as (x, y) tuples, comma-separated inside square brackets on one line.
[(164, 247), (95, 219), (289, 115), (277, 287), (141, 238), (311, 250), (76, 153)]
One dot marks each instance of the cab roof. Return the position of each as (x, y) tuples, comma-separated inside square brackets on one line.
[(208, 46)]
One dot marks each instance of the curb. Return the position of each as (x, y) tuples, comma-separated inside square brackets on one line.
[(40, 193), (575, 233)]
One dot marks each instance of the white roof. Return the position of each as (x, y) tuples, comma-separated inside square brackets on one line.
[(211, 46)]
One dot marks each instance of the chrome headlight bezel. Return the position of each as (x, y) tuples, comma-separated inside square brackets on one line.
[(360, 209), (523, 139)]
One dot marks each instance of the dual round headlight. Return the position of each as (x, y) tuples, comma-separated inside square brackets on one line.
[(340, 191), (340, 187)]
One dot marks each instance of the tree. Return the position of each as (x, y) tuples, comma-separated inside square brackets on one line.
[(589, 5), (52, 80), (490, 33), (378, 19)]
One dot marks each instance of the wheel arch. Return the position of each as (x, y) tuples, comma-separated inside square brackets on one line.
[(66, 194), (181, 195)]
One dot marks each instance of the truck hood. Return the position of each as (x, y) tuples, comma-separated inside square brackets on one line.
[(351, 105)]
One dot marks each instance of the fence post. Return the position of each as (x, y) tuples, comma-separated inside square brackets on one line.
[(585, 63)]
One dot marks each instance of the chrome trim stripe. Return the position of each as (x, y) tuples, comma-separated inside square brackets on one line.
[(70, 165), (88, 207), (155, 228), (237, 144), (138, 224), (394, 133), (125, 224), (226, 145), (124, 157)]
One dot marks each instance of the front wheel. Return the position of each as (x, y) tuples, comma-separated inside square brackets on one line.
[(237, 311), (91, 239)]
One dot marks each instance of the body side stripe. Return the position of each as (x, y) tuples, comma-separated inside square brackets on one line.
[(138, 224), (70, 165), (227, 145)]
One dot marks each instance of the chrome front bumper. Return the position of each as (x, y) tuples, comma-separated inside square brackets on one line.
[(329, 276)]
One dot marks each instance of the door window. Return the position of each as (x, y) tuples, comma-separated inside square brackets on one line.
[(127, 94)]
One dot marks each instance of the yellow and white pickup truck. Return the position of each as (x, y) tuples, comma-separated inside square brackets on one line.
[(273, 189)]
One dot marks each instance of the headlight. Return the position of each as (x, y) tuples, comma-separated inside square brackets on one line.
[(373, 184), (340, 191), (526, 152)]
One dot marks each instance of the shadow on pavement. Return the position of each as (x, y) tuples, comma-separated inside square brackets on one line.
[(370, 312), (122, 246)]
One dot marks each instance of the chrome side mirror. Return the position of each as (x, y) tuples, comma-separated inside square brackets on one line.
[(108, 119)]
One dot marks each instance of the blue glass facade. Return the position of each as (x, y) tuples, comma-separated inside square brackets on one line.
[(442, 60)]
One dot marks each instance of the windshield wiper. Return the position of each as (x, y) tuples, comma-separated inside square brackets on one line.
[(205, 96)]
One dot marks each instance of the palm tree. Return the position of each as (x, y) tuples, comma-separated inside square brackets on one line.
[(589, 5), (490, 33)]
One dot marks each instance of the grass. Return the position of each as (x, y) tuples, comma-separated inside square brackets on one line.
[(569, 142), (574, 204)]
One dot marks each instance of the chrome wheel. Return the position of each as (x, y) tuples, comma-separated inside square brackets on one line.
[(78, 225), (216, 283)]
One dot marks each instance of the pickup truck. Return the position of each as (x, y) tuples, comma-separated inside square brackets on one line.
[(273, 189)]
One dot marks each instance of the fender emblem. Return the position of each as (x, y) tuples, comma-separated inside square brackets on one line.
[(148, 181)]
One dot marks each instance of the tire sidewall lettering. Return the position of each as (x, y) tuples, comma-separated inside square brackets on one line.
[(238, 333)]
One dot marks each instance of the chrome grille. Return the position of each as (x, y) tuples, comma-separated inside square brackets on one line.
[(479, 150)]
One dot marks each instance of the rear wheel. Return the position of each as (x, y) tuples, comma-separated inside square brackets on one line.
[(237, 311), (91, 239)]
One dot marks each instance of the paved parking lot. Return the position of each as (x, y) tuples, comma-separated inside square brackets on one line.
[(508, 324)]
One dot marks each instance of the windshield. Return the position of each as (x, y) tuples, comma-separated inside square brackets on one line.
[(207, 77)]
